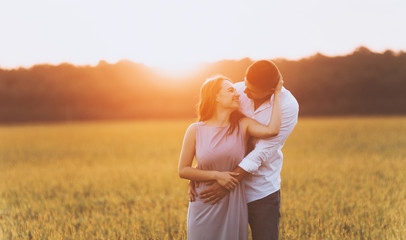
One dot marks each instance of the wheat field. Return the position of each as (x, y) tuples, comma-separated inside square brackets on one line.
[(342, 178)]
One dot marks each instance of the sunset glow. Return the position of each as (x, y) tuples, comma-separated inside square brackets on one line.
[(176, 35)]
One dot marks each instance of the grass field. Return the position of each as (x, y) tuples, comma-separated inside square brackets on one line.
[(343, 178)]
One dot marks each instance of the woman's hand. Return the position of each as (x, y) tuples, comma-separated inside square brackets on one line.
[(279, 86), (256, 129), (227, 179)]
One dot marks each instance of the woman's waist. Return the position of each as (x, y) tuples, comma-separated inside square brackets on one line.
[(204, 185)]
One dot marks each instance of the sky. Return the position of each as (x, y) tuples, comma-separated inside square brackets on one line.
[(177, 34)]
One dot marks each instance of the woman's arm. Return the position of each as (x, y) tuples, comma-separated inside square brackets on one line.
[(256, 129), (186, 170)]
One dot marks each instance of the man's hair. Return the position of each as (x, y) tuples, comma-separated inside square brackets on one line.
[(263, 74)]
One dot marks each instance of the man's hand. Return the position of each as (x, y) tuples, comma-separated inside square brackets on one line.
[(214, 193), (192, 191)]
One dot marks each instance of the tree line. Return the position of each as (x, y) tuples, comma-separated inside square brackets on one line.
[(360, 83)]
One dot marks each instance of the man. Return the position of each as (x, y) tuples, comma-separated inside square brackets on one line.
[(262, 166)]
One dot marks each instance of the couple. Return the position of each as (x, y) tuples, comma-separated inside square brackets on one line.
[(238, 186)]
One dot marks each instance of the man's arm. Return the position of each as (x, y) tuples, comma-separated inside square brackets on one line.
[(262, 152), (248, 165), (265, 148), (216, 192)]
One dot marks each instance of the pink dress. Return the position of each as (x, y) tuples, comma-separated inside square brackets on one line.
[(227, 219)]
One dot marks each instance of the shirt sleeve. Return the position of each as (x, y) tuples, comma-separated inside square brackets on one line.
[(266, 148)]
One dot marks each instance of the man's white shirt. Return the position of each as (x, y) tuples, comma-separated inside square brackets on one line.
[(265, 161)]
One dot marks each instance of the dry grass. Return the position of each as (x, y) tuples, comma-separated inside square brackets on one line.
[(343, 178)]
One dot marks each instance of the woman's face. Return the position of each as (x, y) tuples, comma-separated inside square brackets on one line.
[(228, 97)]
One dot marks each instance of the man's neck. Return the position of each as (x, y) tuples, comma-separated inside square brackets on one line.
[(259, 102)]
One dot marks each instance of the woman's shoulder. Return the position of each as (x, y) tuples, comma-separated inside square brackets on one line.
[(196, 125), (191, 132), (192, 127)]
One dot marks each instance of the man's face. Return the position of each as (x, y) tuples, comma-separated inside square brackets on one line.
[(256, 93)]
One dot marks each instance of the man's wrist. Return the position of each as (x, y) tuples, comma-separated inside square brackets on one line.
[(242, 173), (215, 175)]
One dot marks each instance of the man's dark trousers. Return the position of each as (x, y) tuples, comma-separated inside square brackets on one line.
[(263, 217)]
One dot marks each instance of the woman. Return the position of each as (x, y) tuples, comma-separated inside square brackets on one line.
[(218, 141)]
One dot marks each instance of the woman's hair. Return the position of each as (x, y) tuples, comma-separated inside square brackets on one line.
[(207, 103)]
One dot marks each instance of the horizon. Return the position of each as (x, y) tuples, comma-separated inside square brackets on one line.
[(197, 65)]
